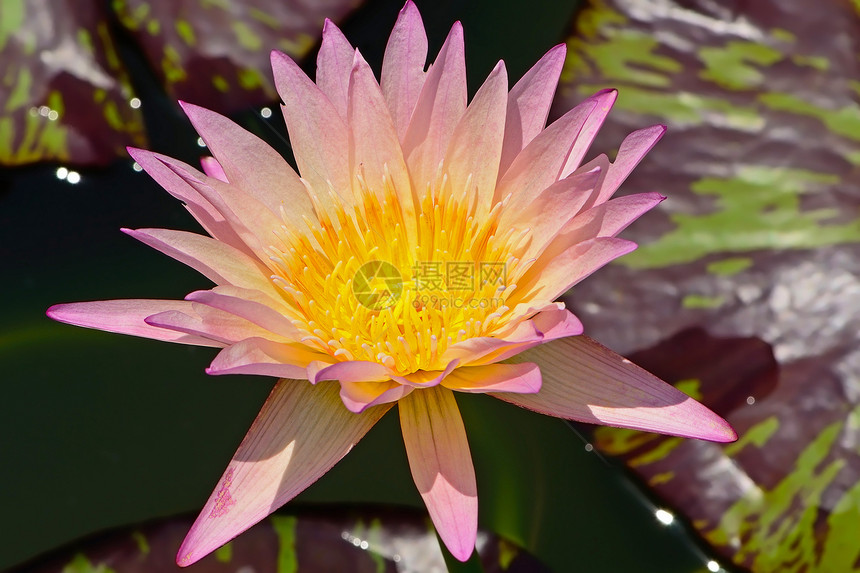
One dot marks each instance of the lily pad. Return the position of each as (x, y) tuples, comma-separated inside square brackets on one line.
[(361, 540), (215, 53), (759, 238), (64, 93)]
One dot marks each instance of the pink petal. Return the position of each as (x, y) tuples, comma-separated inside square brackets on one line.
[(426, 378), (522, 378), (212, 168), (440, 106), (217, 261), (252, 221), (546, 214), (264, 358), (353, 371), (127, 317), (529, 103), (603, 101), (359, 396), (334, 63), (211, 323), (441, 465), (634, 147), (540, 164), (300, 433), (605, 220), (403, 66), (374, 147), (251, 305), (473, 155), (252, 165), (585, 381), (544, 326), (547, 280), (201, 209), (318, 134), (558, 323)]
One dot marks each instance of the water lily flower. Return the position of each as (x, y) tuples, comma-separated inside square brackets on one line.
[(419, 253)]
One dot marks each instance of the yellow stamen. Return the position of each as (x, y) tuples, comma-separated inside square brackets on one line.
[(361, 290)]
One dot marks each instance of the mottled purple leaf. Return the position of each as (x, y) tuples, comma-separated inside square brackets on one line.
[(376, 540), (208, 51), (760, 237), (64, 93)]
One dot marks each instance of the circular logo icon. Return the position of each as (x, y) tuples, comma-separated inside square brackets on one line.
[(377, 285)]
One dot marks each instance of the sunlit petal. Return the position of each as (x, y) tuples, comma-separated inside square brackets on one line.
[(300, 433), (441, 465), (585, 381)]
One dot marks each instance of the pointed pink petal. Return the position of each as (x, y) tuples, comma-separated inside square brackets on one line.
[(539, 165), (585, 381), (522, 378), (252, 221), (374, 147), (252, 165), (558, 323), (403, 66), (300, 433), (441, 465), (603, 100), (251, 305), (546, 214), (605, 220), (426, 378), (211, 323), (359, 396), (473, 155), (126, 317), (529, 103), (544, 326), (634, 147), (622, 211), (201, 209), (484, 349), (212, 168), (353, 371), (265, 358), (318, 134), (334, 63), (547, 280), (440, 106), (217, 261)]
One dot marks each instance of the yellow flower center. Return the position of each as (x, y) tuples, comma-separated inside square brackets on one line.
[(360, 289)]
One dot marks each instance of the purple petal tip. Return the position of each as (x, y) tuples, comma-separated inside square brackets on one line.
[(52, 311)]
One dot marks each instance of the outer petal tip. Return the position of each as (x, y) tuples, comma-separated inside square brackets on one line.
[(53, 312), (135, 152), (276, 57), (558, 51), (184, 560), (190, 552), (723, 432)]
